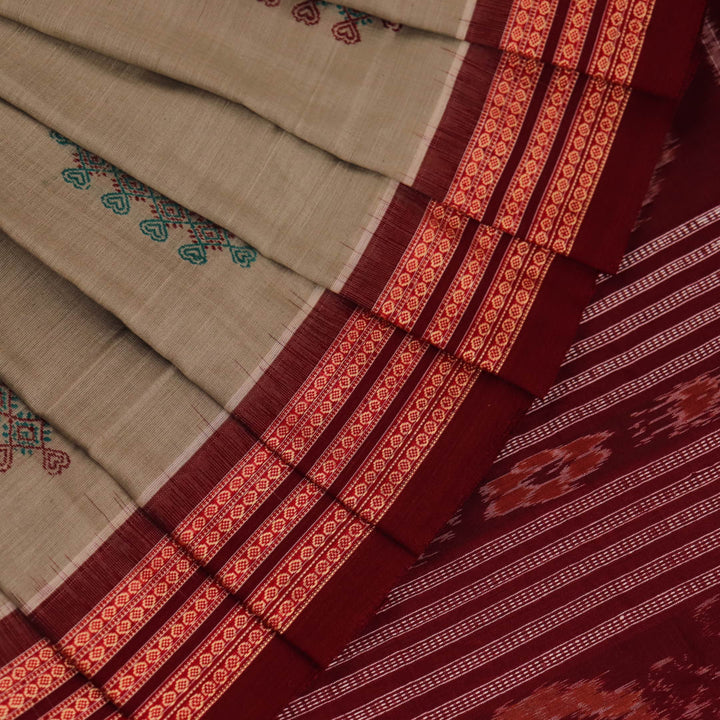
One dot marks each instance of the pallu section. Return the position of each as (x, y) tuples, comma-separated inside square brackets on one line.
[(655, 666)]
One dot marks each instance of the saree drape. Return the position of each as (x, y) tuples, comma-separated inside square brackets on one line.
[(277, 278), (594, 534)]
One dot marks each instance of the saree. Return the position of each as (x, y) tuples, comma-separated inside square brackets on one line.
[(580, 579), (277, 278)]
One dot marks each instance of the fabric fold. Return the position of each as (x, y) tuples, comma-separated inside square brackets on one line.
[(36, 677), (491, 311), (284, 306), (131, 611), (415, 290), (568, 35)]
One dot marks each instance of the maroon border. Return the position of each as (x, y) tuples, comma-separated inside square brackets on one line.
[(488, 21), (605, 229), (470, 441), (551, 325), (671, 36), (458, 122)]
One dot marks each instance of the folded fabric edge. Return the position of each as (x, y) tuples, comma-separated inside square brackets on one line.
[(510, 26), (476, 415)]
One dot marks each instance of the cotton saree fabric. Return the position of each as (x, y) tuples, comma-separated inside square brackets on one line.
[(580, 580), (269, 308)]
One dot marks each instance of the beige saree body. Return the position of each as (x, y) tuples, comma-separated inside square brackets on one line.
[(277, 277)]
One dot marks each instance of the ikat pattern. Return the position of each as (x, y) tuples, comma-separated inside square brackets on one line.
[(167, 215), (679, 687), (583, 700), (346, 30), (545, 475), (689, 405), (23, 433)]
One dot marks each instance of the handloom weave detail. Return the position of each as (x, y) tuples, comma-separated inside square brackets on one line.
[(292, 470), (167, 215), (23, 433), (347, 30)]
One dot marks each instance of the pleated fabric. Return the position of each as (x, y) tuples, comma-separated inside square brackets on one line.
[(276, 280), (581, 579)]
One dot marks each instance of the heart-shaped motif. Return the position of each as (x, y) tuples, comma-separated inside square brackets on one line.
[(6, 458), (193, 253), (55, 461), (346, 31), (117, 202), (77, 177), (243, 256), (306, 12), (58, 138), (155, 229)]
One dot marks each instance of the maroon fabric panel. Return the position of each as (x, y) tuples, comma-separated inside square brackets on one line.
[(549, 328), (582, 580)]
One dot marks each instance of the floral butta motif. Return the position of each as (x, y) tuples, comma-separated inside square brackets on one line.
[(346, 30), (23, 433), (166, 215)]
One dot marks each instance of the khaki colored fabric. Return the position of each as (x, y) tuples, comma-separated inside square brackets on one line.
[(6, 607), (218, 323), (448, 17), (49, 523), (93, 380), (375, 103), (299, 206)]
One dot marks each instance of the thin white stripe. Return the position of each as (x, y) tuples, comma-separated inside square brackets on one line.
[(549, 520), (525, 597), (466, 17), (637, 320), (580, 643), (649, 280), (570, 611), (182, 458), (587, 534), (666, 240), (609, 399), (641, 351)]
